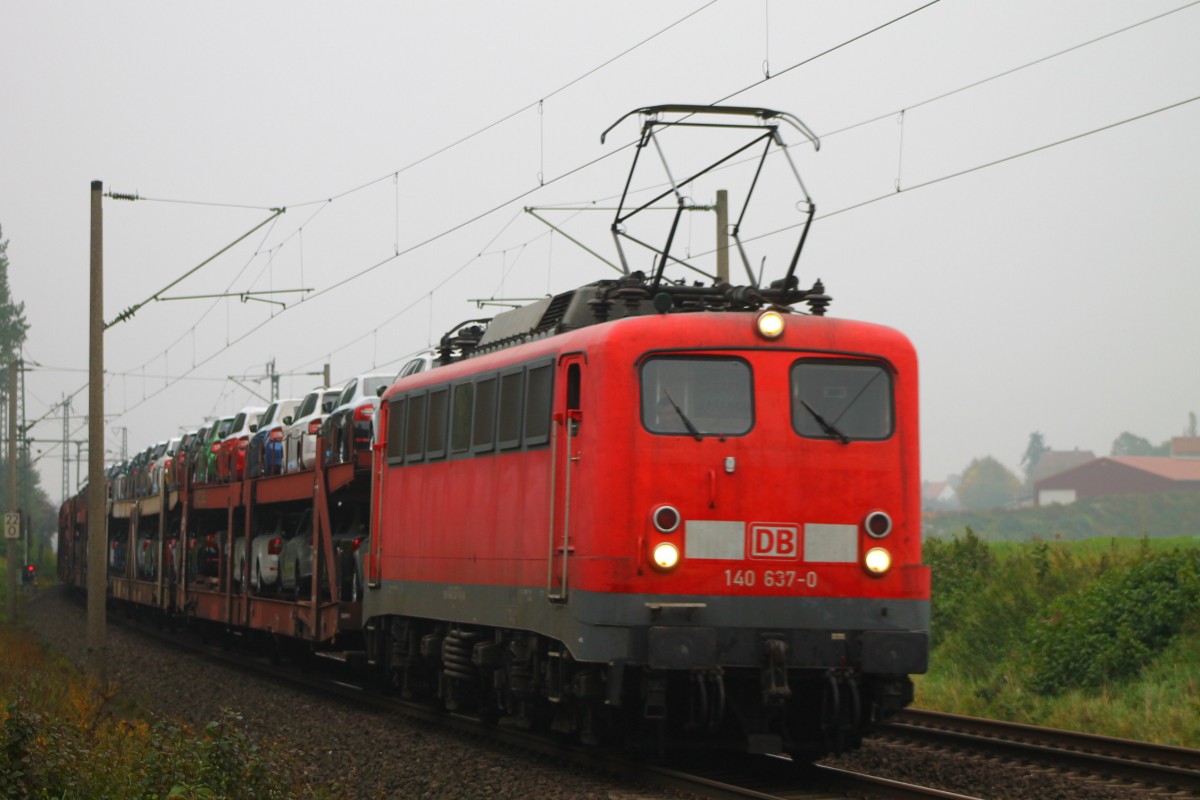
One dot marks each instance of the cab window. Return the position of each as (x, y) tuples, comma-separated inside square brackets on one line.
[(841, 399), (700, 396)]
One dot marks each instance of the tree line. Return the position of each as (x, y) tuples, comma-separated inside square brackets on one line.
[(40, 515)]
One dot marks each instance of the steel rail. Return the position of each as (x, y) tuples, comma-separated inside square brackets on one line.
[(1172, 768)]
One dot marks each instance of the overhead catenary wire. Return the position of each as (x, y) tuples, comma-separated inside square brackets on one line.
[(542, 98), (864, 203), (196, 365), (191, 330), (129, 312), (898, 112), (969, 170), (149, 376), (395, 173), (1011, 70), (479, 216), (418, 300), (211, 204), (586, 165), (398, 253), (542, 183), (827, 51)]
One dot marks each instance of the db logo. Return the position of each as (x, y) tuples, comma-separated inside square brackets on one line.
[(774, 541)]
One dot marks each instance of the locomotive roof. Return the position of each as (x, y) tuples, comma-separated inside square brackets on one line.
[(705, 330), (609, 300)]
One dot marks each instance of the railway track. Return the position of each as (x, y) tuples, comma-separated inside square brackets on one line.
[(732, 776), (1107, 761), (778, 778), (1161, 768)]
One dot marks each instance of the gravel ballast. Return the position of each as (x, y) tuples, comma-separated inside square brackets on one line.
[(370, 754), (377, 754)]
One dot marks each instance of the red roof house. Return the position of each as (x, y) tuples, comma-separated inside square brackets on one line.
[(1120, 475)]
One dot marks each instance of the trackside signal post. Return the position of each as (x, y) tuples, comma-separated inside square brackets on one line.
[(97, 511)]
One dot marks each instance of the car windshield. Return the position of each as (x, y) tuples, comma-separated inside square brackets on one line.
[(329, 402), (309, 404), (286, 409), (371, 386), (697, 396), (269, 415), (841, 400), (224, 427)]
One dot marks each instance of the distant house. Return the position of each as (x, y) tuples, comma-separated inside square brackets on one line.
[(1185, 447), (1119, 475), (938, 496), (1053, 462)]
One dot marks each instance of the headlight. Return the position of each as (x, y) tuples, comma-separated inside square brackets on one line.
[(770, 324), (666, 556), (877, 561)]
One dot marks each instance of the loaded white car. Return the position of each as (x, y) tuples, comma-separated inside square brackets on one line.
[(300, 436)]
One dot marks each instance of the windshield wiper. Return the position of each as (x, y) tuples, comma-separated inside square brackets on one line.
[(825, 424), (687, 423), (857, 395)]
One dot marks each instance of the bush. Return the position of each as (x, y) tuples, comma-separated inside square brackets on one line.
[(959, 569), (1109, 630)]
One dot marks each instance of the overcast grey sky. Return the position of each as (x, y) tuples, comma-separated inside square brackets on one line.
[(1055, 290)]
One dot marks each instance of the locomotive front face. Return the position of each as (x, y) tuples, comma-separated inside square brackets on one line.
[(765, 485)]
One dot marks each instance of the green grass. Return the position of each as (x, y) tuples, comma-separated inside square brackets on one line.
[(1101, 635), (1161, 705)]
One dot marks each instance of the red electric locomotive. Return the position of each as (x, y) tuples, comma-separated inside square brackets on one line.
[(709, 521), (657, 510)]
